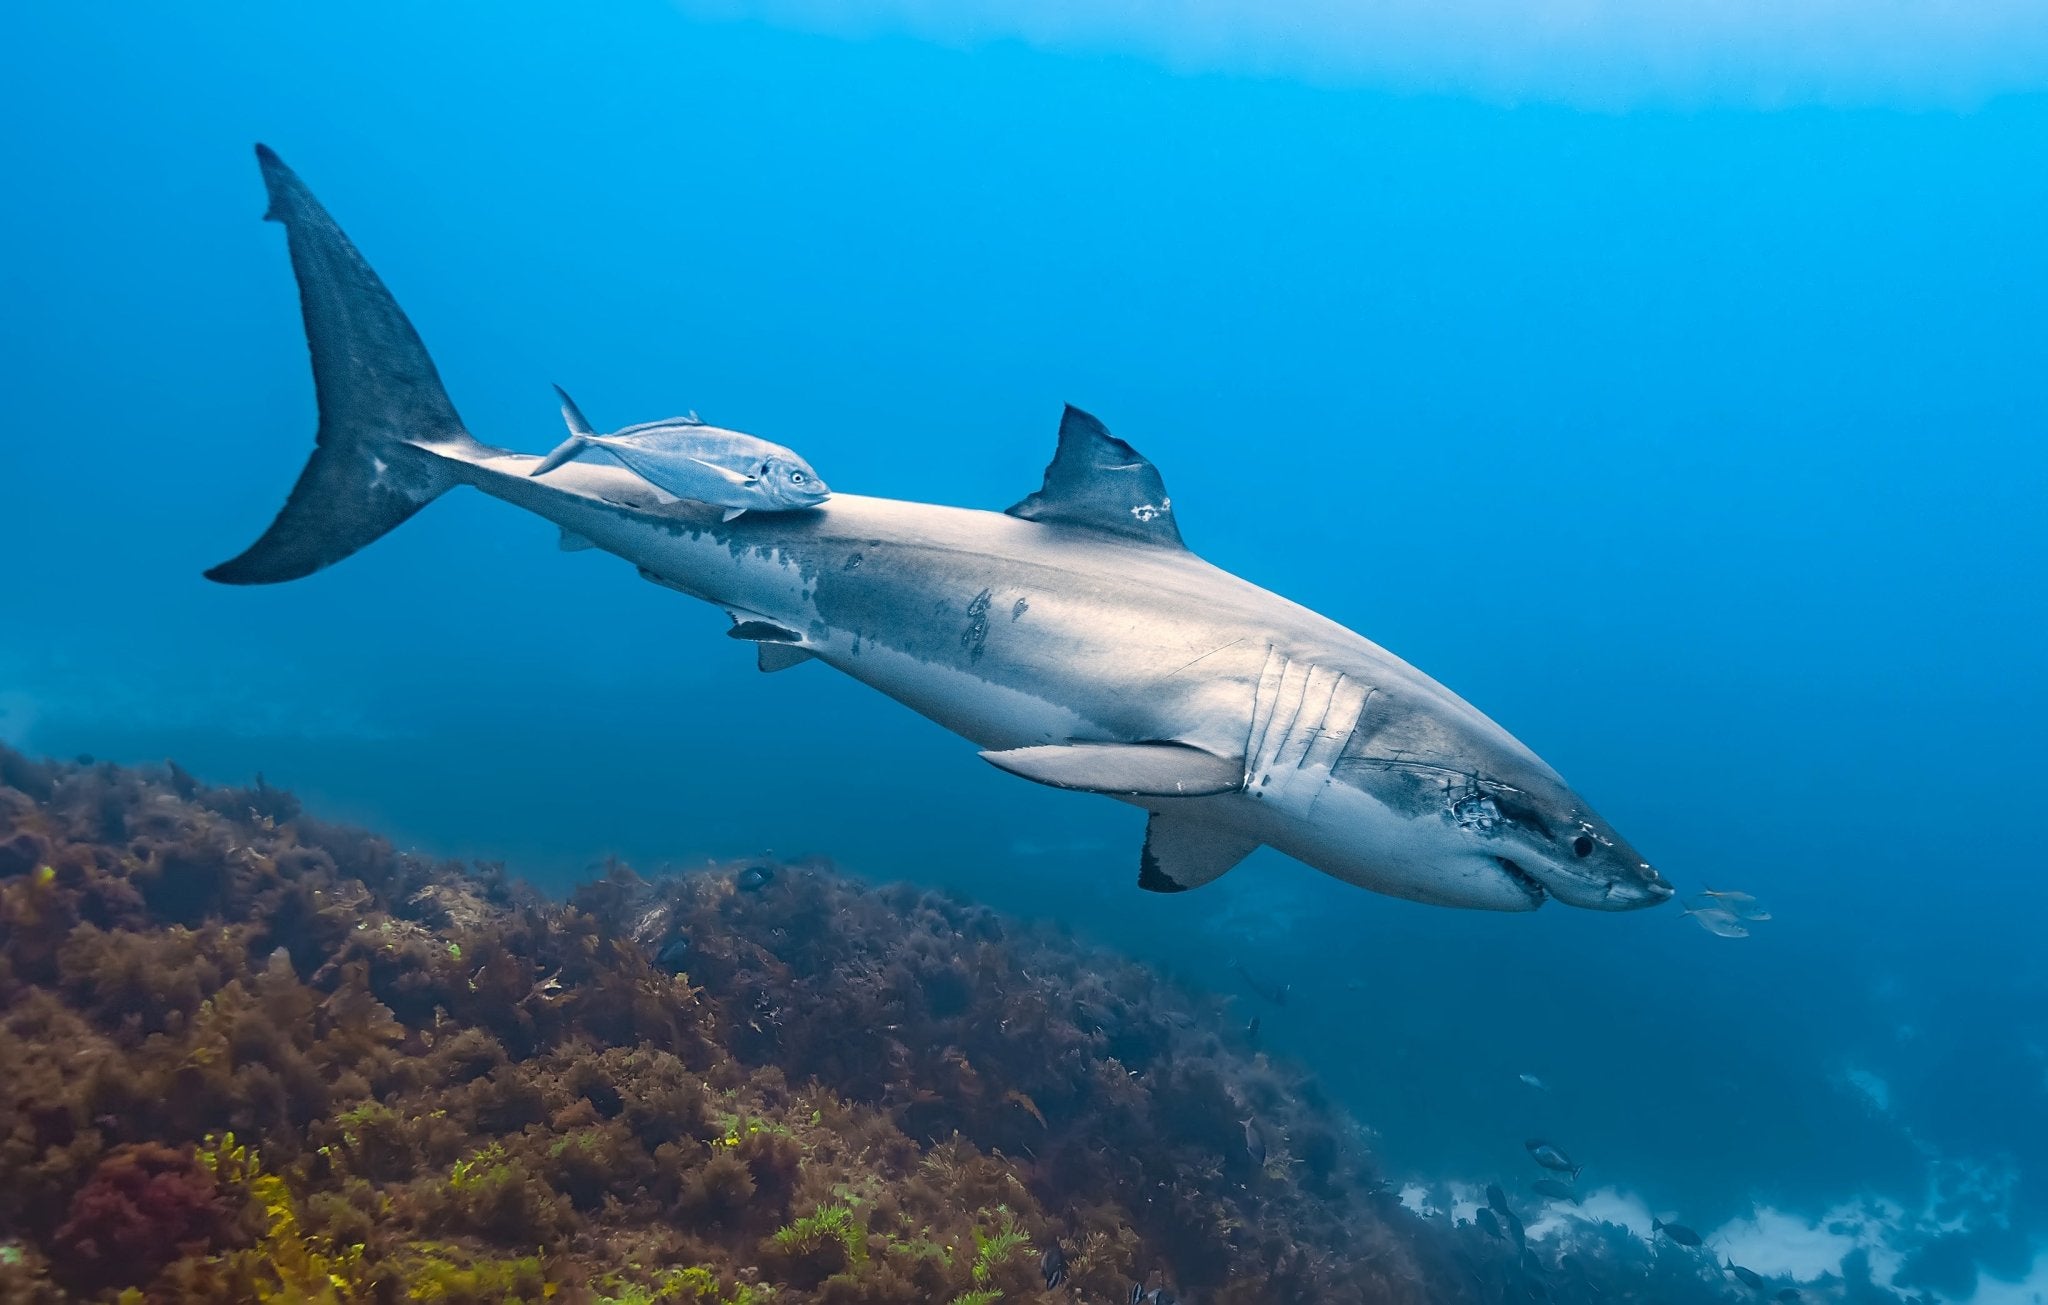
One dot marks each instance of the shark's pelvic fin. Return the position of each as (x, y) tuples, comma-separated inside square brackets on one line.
[(1124, 769), (1183, 851), (1098, 481), (756, 630)]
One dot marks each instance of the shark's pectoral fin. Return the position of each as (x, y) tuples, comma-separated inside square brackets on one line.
[(772, 657), (1183, 851), (1124, 769)]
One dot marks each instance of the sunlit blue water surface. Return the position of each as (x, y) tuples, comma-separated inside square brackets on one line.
[(1702, 447)]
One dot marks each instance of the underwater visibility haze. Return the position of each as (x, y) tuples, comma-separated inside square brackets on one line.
[(1690, 429)]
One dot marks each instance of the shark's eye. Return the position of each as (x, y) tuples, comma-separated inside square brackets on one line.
[(1582, 846)]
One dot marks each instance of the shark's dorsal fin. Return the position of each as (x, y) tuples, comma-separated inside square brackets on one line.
[(1097, 481)]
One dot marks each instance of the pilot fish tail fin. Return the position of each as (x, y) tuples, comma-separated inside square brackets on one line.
[(580, 435), (386, 424)]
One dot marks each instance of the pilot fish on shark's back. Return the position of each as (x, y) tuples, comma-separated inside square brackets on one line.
[(687, 459), (1127, 667)]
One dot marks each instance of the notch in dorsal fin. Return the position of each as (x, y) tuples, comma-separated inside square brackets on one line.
[(1098, 481)]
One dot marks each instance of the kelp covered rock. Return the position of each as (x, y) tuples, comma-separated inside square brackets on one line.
[(254, 1056)]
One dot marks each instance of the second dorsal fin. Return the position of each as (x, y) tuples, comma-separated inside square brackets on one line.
[(1098, 481)]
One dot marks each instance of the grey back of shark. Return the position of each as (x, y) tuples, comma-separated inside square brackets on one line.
[(1073, 638)]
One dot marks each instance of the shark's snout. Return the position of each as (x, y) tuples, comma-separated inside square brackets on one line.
[(1650, 891)]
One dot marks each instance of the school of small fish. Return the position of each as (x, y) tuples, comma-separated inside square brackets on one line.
[(1725, 913)]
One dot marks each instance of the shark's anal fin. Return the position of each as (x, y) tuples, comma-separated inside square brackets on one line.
[(1097, 481), (771, 657), (1183, 851), (574, 543), (1124, 769)]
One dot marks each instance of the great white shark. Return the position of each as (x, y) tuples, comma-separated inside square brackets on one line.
[(1073, 638)]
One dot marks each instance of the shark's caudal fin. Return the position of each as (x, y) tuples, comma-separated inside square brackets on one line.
[(1097, 481), (580, 435), (383, 412)]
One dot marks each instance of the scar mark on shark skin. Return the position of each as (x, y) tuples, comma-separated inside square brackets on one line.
[(1211, 653), (1023, 606), (852, 563), (976, 633)]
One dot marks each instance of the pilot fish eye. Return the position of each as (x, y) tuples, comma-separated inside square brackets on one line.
[(1582, 846), (796, 477)]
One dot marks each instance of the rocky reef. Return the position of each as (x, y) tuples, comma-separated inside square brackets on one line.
[(253, 1056)]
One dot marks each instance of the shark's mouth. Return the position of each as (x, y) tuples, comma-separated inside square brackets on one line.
[(1523, 880)]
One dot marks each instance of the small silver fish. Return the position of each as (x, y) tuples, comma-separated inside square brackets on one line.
[(1740, 905), (687, 459), (1534, 1082), (1719, 921)]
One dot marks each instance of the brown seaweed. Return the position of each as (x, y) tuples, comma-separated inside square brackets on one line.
[(256, 1056)]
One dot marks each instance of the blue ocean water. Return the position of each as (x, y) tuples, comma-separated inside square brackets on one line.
[(1700, 444)]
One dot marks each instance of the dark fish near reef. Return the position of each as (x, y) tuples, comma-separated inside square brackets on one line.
[(1554, 1189), (1074, 639), (1789, 1296), (1053, 1266), (1677, 1232), (1749, 1278), (754, 878), (1496, 1199), (1274, 993), (1251, 1030), (1515, 1229), (686, 459), (1487, 1222), (1551, 1157), (1255, 1142), (675, 957), (1156, 1296)]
